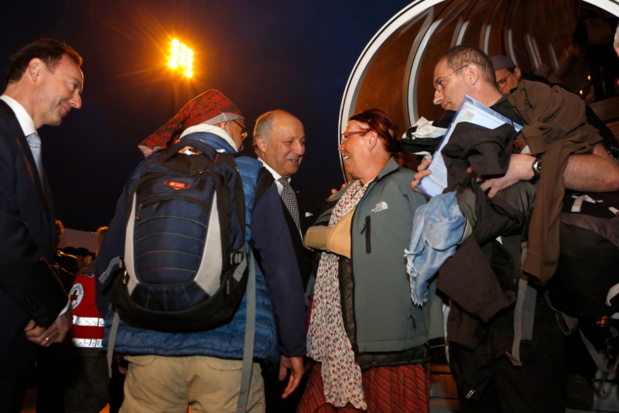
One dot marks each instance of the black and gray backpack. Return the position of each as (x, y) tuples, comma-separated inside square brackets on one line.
[(185, 264)]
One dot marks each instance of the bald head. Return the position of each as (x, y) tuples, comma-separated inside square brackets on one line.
[(279, 140)]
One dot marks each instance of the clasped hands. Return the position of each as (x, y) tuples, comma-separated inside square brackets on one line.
[(55, 333)]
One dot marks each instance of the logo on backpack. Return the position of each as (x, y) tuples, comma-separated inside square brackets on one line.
[(177, 186), (185, 265)]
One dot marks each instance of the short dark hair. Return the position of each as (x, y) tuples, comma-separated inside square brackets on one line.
[(379, 121), (50, 51), (460, 56)]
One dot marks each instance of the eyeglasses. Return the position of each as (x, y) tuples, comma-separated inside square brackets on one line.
[(347, 135), (501, 83), (243, 130), (438, 83)]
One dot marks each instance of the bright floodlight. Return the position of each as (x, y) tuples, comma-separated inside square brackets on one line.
[(181, 57)]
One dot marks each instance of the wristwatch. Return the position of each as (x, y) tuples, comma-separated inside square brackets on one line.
[(537, 168)]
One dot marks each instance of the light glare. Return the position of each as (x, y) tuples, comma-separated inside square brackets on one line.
[(181, 57)]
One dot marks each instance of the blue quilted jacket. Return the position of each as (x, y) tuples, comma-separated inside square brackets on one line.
[(227, 341)]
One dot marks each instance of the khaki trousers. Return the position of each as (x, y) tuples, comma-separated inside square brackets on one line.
[(159, 384)]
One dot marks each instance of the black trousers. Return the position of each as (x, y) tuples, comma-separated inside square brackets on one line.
[(538, 386), (12, 393)]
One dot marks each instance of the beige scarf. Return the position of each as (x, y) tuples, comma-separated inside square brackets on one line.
[(327, 341)]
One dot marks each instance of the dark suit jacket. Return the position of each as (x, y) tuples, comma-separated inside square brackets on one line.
[(308, 212), (28, 287)]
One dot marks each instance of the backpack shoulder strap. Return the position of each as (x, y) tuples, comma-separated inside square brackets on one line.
[(250, 331), (597, 359), (524, 314)]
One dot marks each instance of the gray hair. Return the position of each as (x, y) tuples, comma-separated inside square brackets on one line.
[(264, 124)]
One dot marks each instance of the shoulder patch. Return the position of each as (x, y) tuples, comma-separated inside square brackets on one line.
[(76, 294)]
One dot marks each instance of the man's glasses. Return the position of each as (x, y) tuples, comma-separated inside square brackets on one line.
[(438, 83), (243, 130), (501, 83)]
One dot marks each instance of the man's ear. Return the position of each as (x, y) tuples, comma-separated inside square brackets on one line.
[(517, 72), (34, 68), (222, 125), (472, 73), (261, 143)]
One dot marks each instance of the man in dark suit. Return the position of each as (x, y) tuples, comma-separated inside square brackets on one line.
[(279, 142), (44, 82)]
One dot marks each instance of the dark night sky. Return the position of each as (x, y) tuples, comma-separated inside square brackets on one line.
[(265, 54)]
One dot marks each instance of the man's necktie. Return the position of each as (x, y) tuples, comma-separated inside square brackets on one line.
[(34, 141), (290, 200)]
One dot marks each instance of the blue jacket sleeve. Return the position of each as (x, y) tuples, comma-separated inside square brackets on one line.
[(113, 245), (276, 257)]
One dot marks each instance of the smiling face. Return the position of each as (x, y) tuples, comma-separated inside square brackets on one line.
[(57, 90), (450, 86), (355, 149), (283, 150)]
